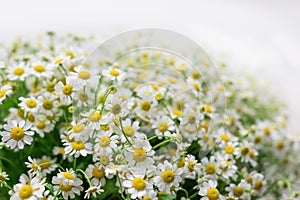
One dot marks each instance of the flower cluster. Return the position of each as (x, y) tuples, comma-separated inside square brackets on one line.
[(144, 126)]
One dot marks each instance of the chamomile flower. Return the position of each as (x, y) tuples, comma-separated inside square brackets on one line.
[(18, 72), (65, 92), (93, 190), (106, 141), (209, 191), (49, 104), (79, 130), (41, 70), (94, 119), (3, 178), (240, 191), (46, 165), (136, 184), (113, 73), (167, 177), (140, 155), (117, 106), (130, 129), (42, 125), (82, 76), (5, 91), (210, 166), (164, 126), (30, 104), (191, 166), (16, 134), (78, 147), (96, 174), (31, 190), (33, 166), (67, 183)]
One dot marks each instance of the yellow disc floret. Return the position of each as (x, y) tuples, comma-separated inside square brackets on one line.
[(139, 155), (25, 191), (17, 133), (168, 176), (139, 184), (213, 194)]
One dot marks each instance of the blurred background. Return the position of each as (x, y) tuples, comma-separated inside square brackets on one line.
[(258, 37)]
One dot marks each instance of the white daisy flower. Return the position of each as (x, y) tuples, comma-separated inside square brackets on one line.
[(29, 190), (130, 129), (209, 191), (42, 125), (117, 106), (18, 72), (3, 178), (94, 119), (191, 166), (93, 190), (82, 76), (65, 92), (17, 134), (79, 147), (67, 183), (41, 70), (46, 164), (240, 191), (210, 166), (163, 125), (49, 103), (30, 104), (79, 130), (114, 73), (96, 174), (5, 91), (140, 154), (136, 184), (167, 176), (106, 142)]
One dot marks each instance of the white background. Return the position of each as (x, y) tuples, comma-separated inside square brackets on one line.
[(261, 37)]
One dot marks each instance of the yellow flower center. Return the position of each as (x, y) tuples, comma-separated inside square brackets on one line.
[(146, 105), (98, 173), (44, 164), (70, 53), (84, 75), (147, 198), (67, 90), (280, 145), (245, 151), (65, 188), (162, 126), (212, 194), (225, 137), (104, 141), (128, 130), (41, 124), (258, 185), (168, 176), (2, 177), (78, 145), (82, 96), (58, 61), (2, 93), (47, 104), (257, 139), (238, 191), (95, 116), (39, 68), (116, 109), (139, 184), (31, 117), (210, 168), (104, 127), (229, 149), (196, 86), (19, 71), (191, 166), (249, 179), (177, 113), (78, 128), (158, 96), (181, 163), (195, 74), (50, 87), (104, 160), (139, 155), (25, 191), (192, 118), (114, 72), (31, 103), (17, 133), (68, 175), (266, 130)]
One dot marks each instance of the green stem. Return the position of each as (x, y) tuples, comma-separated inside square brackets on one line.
[(55, 196), (120, 186), (160, 144), (194, 195), (86, 177), (8, 161), (6, 185), (186, 192), (64, 70), (74, 163)]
